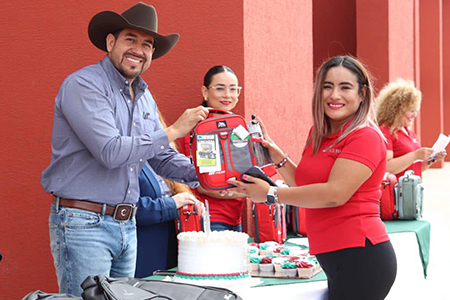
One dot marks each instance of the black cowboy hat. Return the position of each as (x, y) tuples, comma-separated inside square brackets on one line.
[(140, 17)]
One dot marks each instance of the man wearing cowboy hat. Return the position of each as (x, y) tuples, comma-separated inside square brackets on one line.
[(105, 127)]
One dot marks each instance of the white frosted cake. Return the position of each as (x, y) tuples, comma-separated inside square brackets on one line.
[(220, 259)]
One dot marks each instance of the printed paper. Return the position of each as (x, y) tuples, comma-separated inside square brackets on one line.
[(440, 144), (208, 154)]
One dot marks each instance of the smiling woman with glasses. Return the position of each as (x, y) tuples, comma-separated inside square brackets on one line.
[(220, 90)]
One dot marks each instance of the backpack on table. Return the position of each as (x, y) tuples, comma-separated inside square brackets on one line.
[(388, 201), (410, 196)]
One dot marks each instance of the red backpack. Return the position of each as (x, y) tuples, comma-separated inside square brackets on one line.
[(190, 217), (269, 222), (298, 216), (388, 201), (220, 150)]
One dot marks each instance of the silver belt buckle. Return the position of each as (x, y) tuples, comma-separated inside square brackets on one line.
[(124, 212)]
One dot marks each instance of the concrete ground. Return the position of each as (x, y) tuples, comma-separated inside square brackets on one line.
[(437, 211)]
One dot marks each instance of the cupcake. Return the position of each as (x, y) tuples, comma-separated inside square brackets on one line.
[(253, 250), (289, 269), (285, 251), (254, 263), (263, 247), (266, 264), (305, 269), (278, 261), (276, 250)]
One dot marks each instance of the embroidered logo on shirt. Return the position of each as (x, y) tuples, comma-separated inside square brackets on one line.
[(332, 150), (146, 115)]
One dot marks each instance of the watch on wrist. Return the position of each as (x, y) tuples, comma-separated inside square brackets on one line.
[(272, 195)]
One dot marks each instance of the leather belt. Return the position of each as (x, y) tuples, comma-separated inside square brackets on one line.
[(121, 212)]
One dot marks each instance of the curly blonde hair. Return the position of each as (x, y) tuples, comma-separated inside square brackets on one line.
[(393, 101)]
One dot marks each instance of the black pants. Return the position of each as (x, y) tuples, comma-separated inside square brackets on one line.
[(360, 273)]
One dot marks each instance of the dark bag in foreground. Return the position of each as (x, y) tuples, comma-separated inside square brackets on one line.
[(39, 295), (105, 288), (410, 196)]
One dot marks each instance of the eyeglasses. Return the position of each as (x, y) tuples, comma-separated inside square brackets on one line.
[(222, 91)]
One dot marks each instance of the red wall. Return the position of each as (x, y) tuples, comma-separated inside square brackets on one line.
[(268, 43), (44, 42), (278, 68), (431, 72), (401, 39), (446, 65), (47, 40), (277, 73), (334, 29), (373, 45)]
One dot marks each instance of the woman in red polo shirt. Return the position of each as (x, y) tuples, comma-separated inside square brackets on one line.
[(397, 106), (220, 90), (337, 181)]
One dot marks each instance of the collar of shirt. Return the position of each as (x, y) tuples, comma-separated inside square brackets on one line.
[(121, 82), (340, 131)]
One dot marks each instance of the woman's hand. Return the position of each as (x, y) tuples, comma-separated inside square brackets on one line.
[(276, 154), (256, 191), (441, 155), (423, 153)]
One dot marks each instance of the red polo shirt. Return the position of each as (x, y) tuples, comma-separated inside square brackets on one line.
[(403, 144), (346, 226)]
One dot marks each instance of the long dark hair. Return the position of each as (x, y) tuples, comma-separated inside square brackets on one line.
[(209, 75)]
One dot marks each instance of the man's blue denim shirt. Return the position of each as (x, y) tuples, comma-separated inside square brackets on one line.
[(101, 139)]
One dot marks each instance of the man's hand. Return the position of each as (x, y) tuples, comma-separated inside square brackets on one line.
[(186, 122), (183, 199)]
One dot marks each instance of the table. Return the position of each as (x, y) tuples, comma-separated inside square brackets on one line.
[(411, 241)]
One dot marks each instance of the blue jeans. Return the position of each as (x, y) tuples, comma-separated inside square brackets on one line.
[(220, 226), (86, 244)]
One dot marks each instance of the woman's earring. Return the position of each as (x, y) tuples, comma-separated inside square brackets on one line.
[(205, 98)]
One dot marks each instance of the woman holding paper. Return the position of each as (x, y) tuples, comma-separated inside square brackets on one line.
[(397, 106), (220, 90)]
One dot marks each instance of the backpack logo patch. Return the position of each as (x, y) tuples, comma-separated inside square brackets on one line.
[(221, 124)]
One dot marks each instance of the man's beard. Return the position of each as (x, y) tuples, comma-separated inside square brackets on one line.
[(131, 75)]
